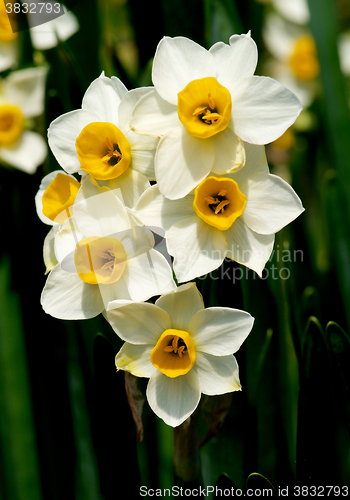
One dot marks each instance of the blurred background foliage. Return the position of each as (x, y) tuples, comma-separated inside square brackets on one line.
[(66, 427)]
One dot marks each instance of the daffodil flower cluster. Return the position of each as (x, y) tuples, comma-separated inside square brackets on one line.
[(198, 135)]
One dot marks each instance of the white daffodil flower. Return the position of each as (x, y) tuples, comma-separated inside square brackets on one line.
[(296, 11), (295, 62), (21, 98), (97, 139), (102, 257), (234, 216), (205, 103), (183, 348)]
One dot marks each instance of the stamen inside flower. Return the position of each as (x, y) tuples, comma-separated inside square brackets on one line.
[(11, 124), (100, 260), (204, 107), (174, 353), (59, 197), (219, 202), (103, 150), (304, 61)]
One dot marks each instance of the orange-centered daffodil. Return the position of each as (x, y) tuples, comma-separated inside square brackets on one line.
[(11, 124), (218, 201), (59, 197), (204, 107), (304, 61), (100, 260), (174, 353), (103, 150)]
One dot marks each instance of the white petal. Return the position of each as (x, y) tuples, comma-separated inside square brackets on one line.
[(153, 209), (177, 62), (26, 89), (128, 103), (344, 52), (128, 187), (197, 248), (66, 239), (217, 374), (62, 135), (154, 116), (271, 203), (103, 97), (264, 110), (101, 215), (226, 147), (46, 36), (280, 36), (247, 247), (139, 323), (147, 275), (220, 330), (27, 153), (255, 162), (182, 305), (182, 162), (143, 162), (173, 399), (49, 250), (135, 359), (8, 54), (235, 61), (296, 11), (66, 296)]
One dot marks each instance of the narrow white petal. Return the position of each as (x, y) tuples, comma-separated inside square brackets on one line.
[(235, 61), (177, 62), (128, 103), (46, 36), (103, 98), (142, 161), (197, 248), (271, 203), (181, 305), (182, 162), (135, 359), (66, 239), (62, 135), (49, 250), (296, 11), (139, 323), (153, 209), (255, 162), (147, 275), (27, 153), (154, 116), (217, 374), (247, 247), (220, 330), (26, 89), (8, 54), (128, 187), (264, 110), (226, 146), (66, 296), (173, 399)]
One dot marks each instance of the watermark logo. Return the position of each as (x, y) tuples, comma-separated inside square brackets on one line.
[(35, 12)]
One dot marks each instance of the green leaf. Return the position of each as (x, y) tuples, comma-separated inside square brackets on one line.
[(316, 461), (338, 344), (19, 474), (261, 483)]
